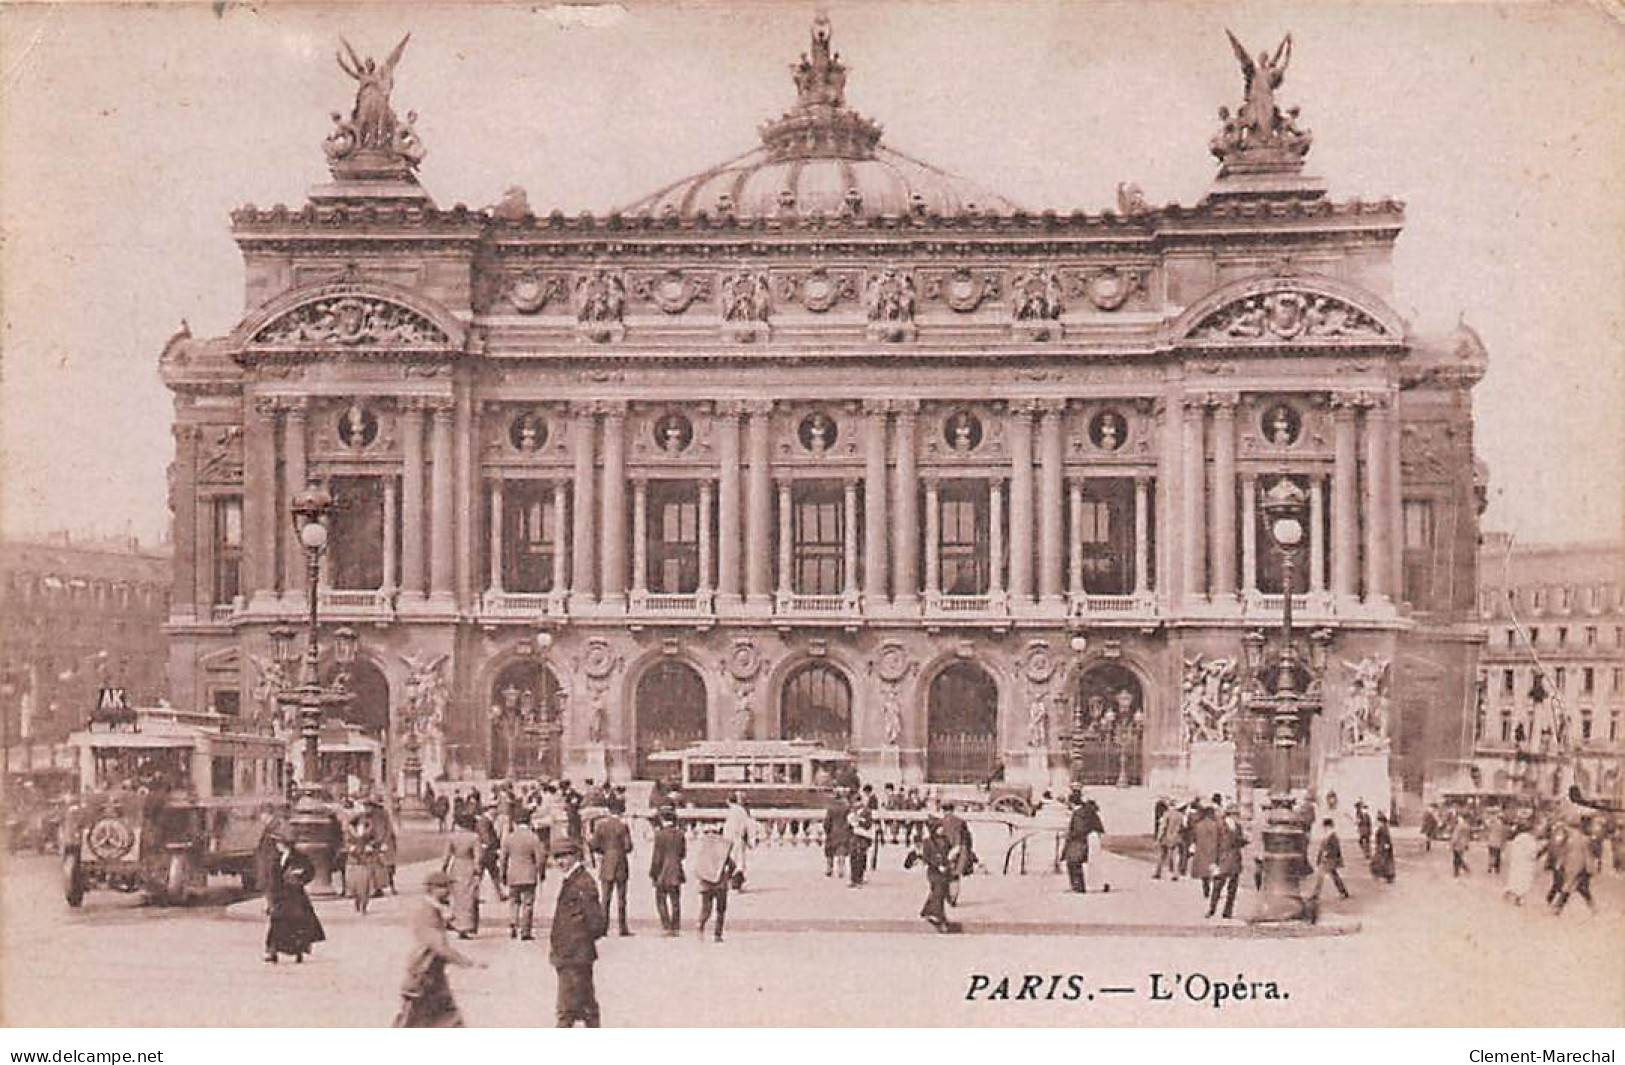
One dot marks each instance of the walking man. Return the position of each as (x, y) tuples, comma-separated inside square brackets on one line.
[(578, 923), (1461, 837), (612, 842), (1495, 837), (666, 871), (1329, 859), (524, 865), (1579, 861), (1169, 831), (1362, 827), (1205, 846), (713, 868), (426, 1000), (861, 826), (1228, 865)]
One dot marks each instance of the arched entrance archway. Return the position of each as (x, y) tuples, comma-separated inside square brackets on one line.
[(962, 726), (1108, 727), (670, 707), (526, 722), (816, 704)]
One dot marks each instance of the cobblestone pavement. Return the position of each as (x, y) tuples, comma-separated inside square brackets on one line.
[(1431, 951)]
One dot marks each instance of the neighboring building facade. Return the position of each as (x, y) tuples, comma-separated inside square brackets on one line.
[(75, 616), (1551, 708), (827, 443)]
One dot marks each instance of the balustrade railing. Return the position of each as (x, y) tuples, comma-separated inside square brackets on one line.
[(368, 600)]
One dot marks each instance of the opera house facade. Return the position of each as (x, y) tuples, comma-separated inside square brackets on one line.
[(826, 443)]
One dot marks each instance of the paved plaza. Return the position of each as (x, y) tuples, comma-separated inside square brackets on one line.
[(803, 949)]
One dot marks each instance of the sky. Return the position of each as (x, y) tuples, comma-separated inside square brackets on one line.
[(127, 135)]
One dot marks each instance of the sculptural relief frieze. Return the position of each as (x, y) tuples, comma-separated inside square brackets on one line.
[(351, 321), (1430, 450), (963, 290), (1287, 315), (889, 298), (1363, 723), (819, 290), (530, 293), (1210, 697), (220, 453), (672, 291), (1108, 288), (600, 304)]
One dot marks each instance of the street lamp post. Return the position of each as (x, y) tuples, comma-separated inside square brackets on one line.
[(1282, 698), (312, 822)]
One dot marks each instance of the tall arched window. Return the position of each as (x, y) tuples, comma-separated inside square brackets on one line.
[(962, 725), (670, 707), (816, 705)]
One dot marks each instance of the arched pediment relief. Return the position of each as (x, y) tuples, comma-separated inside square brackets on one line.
[(1295, 310), (351, 315)]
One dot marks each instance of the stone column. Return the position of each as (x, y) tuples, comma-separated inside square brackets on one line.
[(1249, 535), (1345, 522), (933, 540), (729, 523), (1075, 541), (561, 533), (466, 497), (1222, 507), (204, 537), (905, 509), (786, 534), (584, 509), (1317, 534), (1194, 571), (294, 420), (1142, 535), (1378, 545), (706, 491), (391, 562), (759, 509), (640, 536), (1021, 502), (441, 563), (1050, 457), (849, 538), (496, 534), (612, 570), (186, 568), (995, 538), (1394, 506), (874, 502), (261, 517), (412, 498), (1169, 531)]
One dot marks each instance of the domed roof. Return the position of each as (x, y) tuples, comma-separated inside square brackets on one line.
[(821, 158)]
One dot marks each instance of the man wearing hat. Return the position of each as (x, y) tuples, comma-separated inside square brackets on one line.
[(426, 1000), (578, 923), (666, 871), (1227, 864), (612, 842), (523, 865)]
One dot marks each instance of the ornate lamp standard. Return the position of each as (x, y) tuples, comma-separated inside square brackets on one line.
[(1080, 647), (1283, 694), (312, 821)]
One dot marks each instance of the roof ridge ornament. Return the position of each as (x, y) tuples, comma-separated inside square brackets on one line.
[(1259, 138), (820, 125)]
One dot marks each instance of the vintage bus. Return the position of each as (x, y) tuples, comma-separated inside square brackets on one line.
[(782, 773), (168, 797)]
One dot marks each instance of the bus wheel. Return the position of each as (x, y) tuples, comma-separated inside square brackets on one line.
[(73, 879)]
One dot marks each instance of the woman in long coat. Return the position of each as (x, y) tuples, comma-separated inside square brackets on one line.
[(360, 860), (1521, 859), (1382, 851), (294, 926), (462, 861)]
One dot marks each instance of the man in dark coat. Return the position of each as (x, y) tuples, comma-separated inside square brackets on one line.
[(1076, 851), (1362, 827), (426, 1000), (962, 850), (1329, 860), (1228, 864), (294, 926), (666, 871), (612, 842), (490, 850), (837, 833), (578, 923), (1205, 847)]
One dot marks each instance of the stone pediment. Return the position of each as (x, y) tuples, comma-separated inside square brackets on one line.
[(351, 315), (1295, 310)]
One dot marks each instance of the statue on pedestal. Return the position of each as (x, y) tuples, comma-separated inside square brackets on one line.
[(1364, 723)]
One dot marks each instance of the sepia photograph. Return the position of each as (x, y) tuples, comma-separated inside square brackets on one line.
[(840, 515)]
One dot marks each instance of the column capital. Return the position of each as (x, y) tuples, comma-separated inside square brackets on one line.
[(1049, 405), (931, 480), (851, 484), (1193, 404), (905, 408), (756, 406), (1223, 404), (442, 407), (998, 480), (186, 434), (610, 408), (297, 407), (583, 408), (1142, 478), (882, 407), (729, 408), (267, 406), (1345, 404), (1378, 403), (1025, 407)]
